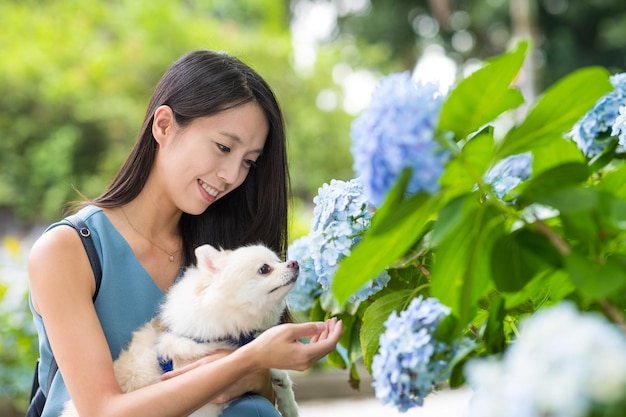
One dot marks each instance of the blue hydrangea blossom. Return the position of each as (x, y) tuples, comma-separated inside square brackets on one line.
[(397, 131), (341, 215), (592, 132), (564, 364), (509, 173), (307, 288), (411, 363), (619, 127)]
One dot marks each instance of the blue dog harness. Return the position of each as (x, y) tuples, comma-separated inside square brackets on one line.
[(167, 365)]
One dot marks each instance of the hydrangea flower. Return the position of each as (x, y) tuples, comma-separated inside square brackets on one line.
[(619, 127), (411, 363), (509, 172), (397, 131), (340, 217), (307, 288), (593, 131), (564, 364)]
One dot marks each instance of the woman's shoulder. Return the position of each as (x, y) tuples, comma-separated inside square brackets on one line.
[(55, 257)]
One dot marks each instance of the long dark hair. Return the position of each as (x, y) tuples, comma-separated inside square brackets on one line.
[(204, 83)]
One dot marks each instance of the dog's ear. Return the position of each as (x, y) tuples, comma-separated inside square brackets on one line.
[(206, 256)]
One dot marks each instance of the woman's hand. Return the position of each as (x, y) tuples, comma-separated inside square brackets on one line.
[(280, 346)]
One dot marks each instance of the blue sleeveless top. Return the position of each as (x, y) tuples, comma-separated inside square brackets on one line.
[(128, 298)]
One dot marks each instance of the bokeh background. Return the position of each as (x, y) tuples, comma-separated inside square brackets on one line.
[(76, 77)]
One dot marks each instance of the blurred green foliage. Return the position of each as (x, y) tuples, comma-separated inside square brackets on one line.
[(18, 338), (18, 350), (567, 34), (76, 77)]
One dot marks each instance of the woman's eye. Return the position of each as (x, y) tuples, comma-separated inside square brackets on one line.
[(223, 148), (265, 269), (249, 163)]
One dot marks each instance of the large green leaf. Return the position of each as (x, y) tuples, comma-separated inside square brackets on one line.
[(469, 166), (614, 182), (374, 321), (596, 280), (494, 331), (557, 110), (452, 216), (461, 274), (550, 286), (381, 246), (484, 95), (553, 179), (518, 257), (557, 152)]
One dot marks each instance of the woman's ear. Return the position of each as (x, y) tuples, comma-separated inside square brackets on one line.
[(164, 124)]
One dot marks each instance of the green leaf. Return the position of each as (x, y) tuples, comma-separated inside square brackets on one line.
[(550, 286), (518, 257), (374, 321), (614, 182), (612, 213), (596, 280), (447, 328), (484, 95), (463, 172), (606, 156), (461, 274), (349, 340), (452, 215), (553, 179), (386, 215), (382, 246), (549, 119), (457, 378), (317, 313), (494, 331), (335, 359), (568, 199), (547, 155)]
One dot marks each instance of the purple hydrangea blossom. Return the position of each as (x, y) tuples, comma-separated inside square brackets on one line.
[(397, 131), (619, 127), (509, 172), (340, 217), (411, 363), (592, 132), (564, 364), (307, 288)]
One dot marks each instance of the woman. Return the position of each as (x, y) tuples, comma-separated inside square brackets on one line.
[(209, 167)]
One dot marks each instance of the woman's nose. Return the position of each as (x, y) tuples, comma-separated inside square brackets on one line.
[(228, 174)]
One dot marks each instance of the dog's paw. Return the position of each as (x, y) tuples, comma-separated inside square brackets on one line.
[(285, 399)]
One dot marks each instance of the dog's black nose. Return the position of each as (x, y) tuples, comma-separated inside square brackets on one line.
[(293, 264)]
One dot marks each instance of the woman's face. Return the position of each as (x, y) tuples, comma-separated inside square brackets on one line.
[(210, 157)]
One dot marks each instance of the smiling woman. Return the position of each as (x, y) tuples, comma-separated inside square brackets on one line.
[(210, 155), (209, 167)]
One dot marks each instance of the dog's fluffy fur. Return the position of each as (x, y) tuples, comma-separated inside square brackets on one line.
[(228, 294)]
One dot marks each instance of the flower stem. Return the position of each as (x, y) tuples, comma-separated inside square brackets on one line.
[(613, 313)]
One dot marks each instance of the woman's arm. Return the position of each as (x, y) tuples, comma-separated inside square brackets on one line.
[(258, 382), (62, 285)]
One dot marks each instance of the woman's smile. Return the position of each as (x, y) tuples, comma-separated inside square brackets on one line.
[(209, 193)]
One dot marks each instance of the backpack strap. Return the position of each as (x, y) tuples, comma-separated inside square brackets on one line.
[(85, 236)]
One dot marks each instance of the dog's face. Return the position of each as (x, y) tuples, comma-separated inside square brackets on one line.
[(230, 291), (254, 270)]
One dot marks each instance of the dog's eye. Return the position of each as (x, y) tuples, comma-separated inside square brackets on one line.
[(265, 269)]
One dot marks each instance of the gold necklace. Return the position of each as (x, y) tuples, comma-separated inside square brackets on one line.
[(172, 256)]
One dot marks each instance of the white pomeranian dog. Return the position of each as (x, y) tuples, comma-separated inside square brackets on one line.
[(222, 303)]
